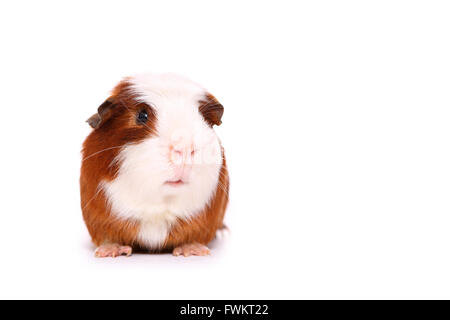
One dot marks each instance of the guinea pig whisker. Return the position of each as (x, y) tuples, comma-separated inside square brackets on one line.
[(223, 187), (106, 149), (99, 188), (220, 184)]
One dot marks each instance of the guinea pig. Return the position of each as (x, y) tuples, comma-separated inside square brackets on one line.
[(153, 173)]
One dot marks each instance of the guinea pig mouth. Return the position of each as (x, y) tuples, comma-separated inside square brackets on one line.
[(176, 183)]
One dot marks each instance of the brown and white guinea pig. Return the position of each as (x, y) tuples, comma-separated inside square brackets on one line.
[(153, 174)]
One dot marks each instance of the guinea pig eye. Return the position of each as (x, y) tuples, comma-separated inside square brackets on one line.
[(142, 116)]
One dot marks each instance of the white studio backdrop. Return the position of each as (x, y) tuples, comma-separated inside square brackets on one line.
[(336, 130)]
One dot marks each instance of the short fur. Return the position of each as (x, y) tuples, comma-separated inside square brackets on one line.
[(123, 195)]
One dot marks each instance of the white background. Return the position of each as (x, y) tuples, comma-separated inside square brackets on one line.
[(336, 129)]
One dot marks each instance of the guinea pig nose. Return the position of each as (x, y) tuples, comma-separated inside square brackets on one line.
[(180, 154), (182, 151)]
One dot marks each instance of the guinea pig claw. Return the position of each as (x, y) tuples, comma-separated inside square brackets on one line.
[(125, 250), (112, 250), (192, 249)]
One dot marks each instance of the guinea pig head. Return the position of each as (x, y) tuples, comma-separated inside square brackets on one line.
[(169, 154)]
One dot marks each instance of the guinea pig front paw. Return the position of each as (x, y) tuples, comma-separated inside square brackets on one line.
[(112, 250), (192, 249)]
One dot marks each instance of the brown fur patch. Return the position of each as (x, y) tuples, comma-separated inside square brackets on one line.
[(211, 110)]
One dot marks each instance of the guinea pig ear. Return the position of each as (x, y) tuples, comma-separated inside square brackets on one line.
[(211, 110), (103, 113)]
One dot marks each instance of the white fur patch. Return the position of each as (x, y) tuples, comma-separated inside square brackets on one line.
[(139, 192)]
